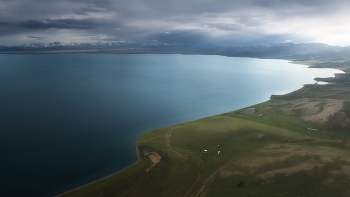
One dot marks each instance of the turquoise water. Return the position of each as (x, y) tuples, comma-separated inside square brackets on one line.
[(68, 119)]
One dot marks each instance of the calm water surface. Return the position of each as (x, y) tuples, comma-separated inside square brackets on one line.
[(68, 119)]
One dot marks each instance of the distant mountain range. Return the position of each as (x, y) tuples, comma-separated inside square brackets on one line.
[(56, 46), (290, 51)]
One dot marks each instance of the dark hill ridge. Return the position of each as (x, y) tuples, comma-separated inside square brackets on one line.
[(102, 46), (282, 49), (296, 52)]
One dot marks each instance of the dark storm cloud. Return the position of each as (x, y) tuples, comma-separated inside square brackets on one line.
[(6, 28), (5, 24), (185, 21), (41, 26), (60, 24)]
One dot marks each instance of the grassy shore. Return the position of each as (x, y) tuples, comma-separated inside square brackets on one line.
[(296, 144)]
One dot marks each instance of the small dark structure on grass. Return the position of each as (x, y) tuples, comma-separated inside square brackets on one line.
[(240, 184)]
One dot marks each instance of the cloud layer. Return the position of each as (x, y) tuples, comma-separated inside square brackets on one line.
[(223, 22)]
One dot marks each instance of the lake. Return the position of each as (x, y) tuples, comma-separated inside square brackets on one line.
[(69, 119)]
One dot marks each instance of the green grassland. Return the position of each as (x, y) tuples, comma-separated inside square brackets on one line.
[(296, 144)]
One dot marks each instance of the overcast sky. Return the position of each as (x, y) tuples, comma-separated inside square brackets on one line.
[(222, 22)]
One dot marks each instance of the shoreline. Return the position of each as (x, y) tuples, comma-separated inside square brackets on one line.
[(105, 177)]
